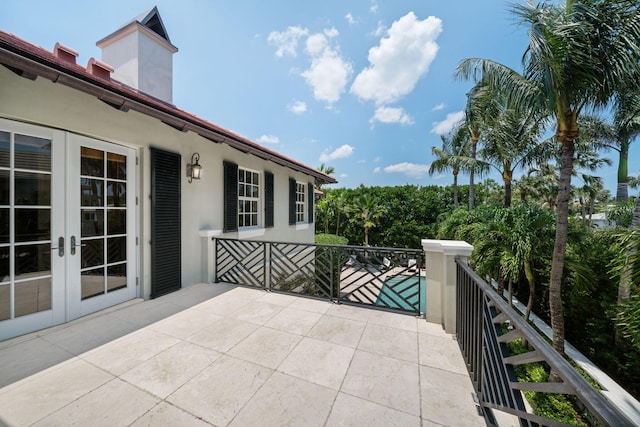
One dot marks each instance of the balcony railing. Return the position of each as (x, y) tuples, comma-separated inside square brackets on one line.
[(485, 325), (381, 277)]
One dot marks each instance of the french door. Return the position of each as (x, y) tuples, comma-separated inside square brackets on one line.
[(67, 226)]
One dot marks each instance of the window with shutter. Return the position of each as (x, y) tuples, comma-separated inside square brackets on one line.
[(268, 200), (310, 202), (292, 201), (230, 197)]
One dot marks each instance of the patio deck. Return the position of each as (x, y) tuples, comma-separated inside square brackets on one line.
[(216, 354)]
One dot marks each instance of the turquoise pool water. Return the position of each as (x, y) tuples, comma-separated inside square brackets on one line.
[(401, 292)]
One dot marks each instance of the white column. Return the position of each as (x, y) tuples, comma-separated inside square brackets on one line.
[(207, 253), (440, 258)]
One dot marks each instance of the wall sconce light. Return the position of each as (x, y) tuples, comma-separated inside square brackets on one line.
[(194, 169)]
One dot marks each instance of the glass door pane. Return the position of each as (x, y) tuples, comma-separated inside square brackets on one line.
[(103, 212)]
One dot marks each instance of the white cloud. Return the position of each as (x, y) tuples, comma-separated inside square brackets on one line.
[(412, 170), (268, 139), (380, 29), (362, 161), (287, 41), (339, 153), (377, 159), (439, 107), (377, 169), (391, 115), (447, 124), (344, 175), (350, 19), (398, 62), (374, 7), (298, 107), (328, 73)]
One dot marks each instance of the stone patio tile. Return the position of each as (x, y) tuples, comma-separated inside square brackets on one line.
[(277, 298), (195, 294), (338, 330), (28, 357), (407, 322), (257, 312), (223, 334), (447, 398), (319, 362), (27, 401), (223, 305), (148, 313), (123, 354), (165, 414), (86, 334), (113, 404), (267, 347), (167, 371), (219, 392), (287, 401), (186, 323), (443, 353), (390, 342), (353, 411), (350, 312), (390, 382), (435, 329), (311, 304), (247, 292), (294, 320)]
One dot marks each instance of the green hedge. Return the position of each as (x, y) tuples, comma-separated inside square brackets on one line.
[(331, 239)]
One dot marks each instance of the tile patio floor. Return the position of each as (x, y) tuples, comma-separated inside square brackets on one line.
[(215, 354)]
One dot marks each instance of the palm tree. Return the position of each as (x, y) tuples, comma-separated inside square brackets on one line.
[(626, 127), (367, 212), (455, 155), (564, 74), (513, 140), (329, 170)]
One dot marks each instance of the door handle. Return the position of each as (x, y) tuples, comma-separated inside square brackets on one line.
[(60, 246), (74, 246)]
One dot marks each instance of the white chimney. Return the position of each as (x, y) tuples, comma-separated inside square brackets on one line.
[(142, 55)]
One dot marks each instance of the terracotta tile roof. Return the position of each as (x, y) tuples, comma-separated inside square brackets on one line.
[(24, 57)]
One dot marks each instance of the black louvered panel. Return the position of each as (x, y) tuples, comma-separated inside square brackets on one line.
[(292, 201), (165, 222), (310, 195), (268, 200), (230, 197)]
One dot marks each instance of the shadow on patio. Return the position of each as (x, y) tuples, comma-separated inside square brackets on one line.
[(225, 355)]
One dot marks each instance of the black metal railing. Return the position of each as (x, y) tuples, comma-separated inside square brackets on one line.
[(382, 277), (485, 324)]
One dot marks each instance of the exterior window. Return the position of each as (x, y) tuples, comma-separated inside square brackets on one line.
[(300, 202), (248, 198)]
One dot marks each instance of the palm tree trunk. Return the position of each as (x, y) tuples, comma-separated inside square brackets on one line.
[(472, 190), (528, 272), (507, 177), (624, 290), (560, 245), (455, 190), (622, 192)]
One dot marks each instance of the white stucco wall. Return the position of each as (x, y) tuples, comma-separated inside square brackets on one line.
[(49, 104)]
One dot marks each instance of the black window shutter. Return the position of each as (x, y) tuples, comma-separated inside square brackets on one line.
[(268, 199), (292, 201), (311, 197), (230, 197), (166, 258)]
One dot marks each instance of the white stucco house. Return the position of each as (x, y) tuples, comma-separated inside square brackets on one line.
[(109, 192)]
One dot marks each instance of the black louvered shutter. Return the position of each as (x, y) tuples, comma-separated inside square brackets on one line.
[(268, 199), (292, 201), (311, 197), (165, 222), (230, 197)]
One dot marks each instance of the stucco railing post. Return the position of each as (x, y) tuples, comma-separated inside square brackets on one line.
[(440, 256), (207, 254)]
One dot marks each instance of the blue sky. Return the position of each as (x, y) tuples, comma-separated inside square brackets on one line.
[(363, 86)]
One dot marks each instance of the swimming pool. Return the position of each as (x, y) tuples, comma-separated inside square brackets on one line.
[(401, 292)]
